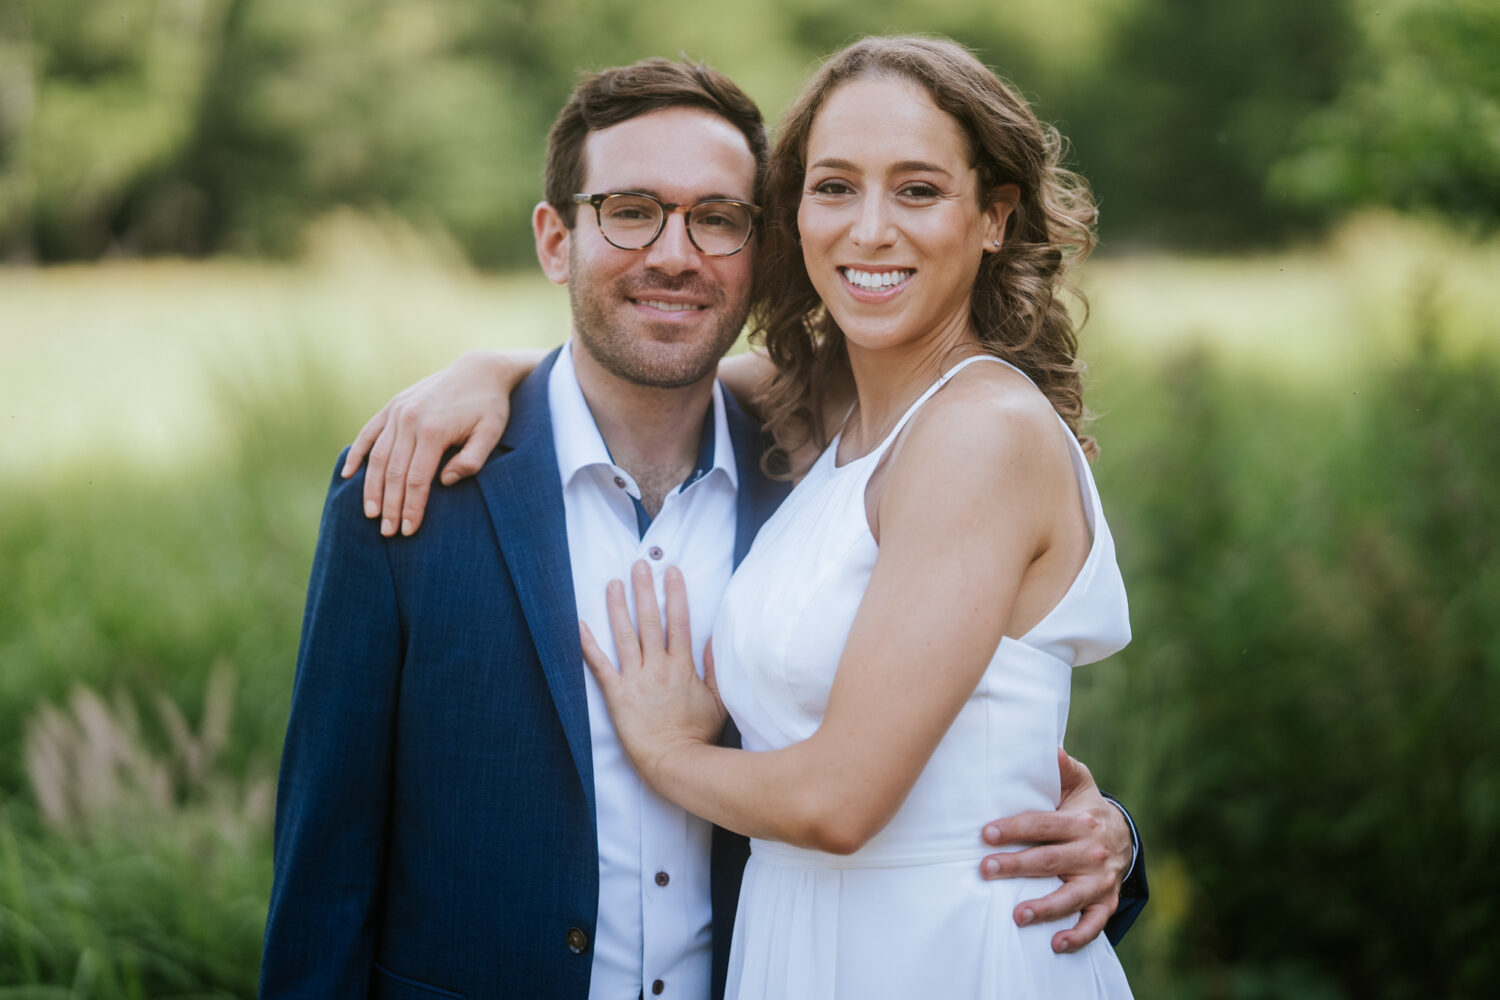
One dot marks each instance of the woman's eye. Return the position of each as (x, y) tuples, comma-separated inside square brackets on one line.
[(831, 187), (920, 191)]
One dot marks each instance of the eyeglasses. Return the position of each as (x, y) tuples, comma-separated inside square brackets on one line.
[(718, 227)]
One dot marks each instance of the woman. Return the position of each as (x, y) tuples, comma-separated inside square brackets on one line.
[(901, 633)]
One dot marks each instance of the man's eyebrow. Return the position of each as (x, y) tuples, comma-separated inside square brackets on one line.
[(654, 193), (904, 167)]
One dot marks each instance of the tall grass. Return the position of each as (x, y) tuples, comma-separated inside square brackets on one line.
[(1300, 472)]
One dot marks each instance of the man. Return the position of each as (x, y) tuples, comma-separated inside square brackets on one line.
[(455, 815)]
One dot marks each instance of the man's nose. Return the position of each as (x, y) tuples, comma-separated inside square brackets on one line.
[(673, 251)]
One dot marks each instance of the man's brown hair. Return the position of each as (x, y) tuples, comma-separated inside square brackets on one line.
[(619, 94)]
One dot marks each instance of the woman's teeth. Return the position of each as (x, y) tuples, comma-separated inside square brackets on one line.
[(876, 279)]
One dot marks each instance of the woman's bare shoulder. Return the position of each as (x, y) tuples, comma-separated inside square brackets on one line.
[(990, 416)]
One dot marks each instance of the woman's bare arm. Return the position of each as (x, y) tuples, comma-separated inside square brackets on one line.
[(747, 375), (467, 403)]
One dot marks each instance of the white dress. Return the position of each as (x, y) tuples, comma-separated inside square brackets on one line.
[(908, 915)]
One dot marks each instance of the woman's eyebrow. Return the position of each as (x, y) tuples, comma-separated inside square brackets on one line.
[(904, 167)]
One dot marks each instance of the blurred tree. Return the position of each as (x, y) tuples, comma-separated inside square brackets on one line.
[(1192, 104), (1417, 124), (201, 126), (97, 104)]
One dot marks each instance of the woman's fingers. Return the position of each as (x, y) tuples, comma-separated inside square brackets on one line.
[(708, 667), (364, 441), (627, 645), (679, 626), (471, 458), (398, 463), (598, 661), (374, 491), (647, 611)]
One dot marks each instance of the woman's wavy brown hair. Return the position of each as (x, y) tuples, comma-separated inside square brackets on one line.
[(1019, 308)]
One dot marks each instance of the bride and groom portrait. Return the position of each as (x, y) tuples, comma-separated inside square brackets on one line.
[(730, 677)]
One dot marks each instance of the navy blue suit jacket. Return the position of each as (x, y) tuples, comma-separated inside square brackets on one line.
[(435, 823)]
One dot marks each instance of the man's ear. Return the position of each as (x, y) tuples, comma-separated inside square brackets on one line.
[(1003, 202), (552, 240)]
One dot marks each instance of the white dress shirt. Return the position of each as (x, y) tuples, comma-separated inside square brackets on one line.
[(655, 914)]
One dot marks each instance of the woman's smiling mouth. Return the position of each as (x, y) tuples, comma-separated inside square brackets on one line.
[(872, 284)]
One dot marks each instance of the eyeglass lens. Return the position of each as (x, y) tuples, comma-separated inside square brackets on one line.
[(632, 221)]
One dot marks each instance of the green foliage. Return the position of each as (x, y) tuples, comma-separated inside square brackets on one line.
[(1192, 105), (1417, 125), (1315, 678), (202, 126)]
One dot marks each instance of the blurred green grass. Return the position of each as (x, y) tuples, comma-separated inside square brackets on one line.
[(1301, 454)]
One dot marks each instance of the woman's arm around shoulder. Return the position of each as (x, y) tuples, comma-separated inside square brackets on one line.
[(467, 403)]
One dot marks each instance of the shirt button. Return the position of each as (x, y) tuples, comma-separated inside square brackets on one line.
[(657, 987), (620, 481), (662, 878), (578, 941), (655, 552)]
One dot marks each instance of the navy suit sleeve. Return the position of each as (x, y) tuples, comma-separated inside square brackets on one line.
[(334, 789), (1133, 891)]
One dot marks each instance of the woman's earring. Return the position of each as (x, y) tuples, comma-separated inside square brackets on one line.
[(995, 244)]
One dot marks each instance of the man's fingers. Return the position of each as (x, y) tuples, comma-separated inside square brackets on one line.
[(1042, 861), (1035, 827), (1090, 925), (627, 646), (647, 612), (1073, 772), (1071, 898), (679, 628)]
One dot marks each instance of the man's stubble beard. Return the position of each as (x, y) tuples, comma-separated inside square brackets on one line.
[(628, 357)]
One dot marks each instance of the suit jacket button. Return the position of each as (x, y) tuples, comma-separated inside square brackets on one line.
[(578, 941), (662, 878), (657, 987)]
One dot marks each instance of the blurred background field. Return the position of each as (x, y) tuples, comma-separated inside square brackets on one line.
[(235, 227)]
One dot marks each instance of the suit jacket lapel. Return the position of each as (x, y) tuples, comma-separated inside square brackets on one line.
[(523, 490), (758, 496)]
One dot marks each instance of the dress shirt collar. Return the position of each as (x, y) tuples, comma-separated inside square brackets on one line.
[(580, 445)]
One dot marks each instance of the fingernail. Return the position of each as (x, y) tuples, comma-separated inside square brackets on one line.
[(991, 867), (1027, 916), (371, 508), (992, 834), (386, 528), (406, 527)]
